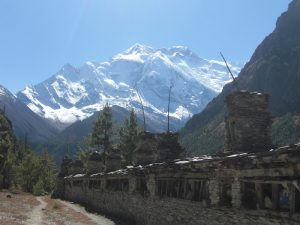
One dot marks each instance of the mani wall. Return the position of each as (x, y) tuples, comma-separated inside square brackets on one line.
[(254, 186)]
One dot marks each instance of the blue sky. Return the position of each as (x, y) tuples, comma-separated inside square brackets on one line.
[(38, 37)]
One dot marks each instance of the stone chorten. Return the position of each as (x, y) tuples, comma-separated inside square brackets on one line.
[(76, 167), (152, 148), (59, 189), (113, 159), (96, 162), (248, 123)]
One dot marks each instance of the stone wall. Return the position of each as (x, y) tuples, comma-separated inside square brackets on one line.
[(261, 188), (248, 184), (168, 211)]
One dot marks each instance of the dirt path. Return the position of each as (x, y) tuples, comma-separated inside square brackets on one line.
[(26, 209), (36, 215), (50, 212)]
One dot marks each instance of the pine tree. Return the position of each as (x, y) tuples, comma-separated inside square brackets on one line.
[(128, 135), (19, 166), (36, 173), (102, 129), (47, 171), (7, 151), (29, 171)]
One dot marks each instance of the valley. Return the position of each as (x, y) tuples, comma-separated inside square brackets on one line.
[(95, 129)]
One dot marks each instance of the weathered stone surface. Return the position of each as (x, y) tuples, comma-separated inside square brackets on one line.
[(146, 150), (153, 148), (168, 147), (76, 167), (248, 123), (96, 163), (190, 191), (113, 159)]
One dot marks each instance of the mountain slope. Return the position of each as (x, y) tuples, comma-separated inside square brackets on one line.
[(76, 132), (274, 68), (24, 121), (76, 93), (70, 139)]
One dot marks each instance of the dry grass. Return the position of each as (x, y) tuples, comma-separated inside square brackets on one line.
[(57, 213), (15, 209)]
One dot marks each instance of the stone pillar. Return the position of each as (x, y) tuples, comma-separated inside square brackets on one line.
[(214, 192), (292, 198), (132, 184), (236, 193), (103, 184), (275, 196), (151, 185), (248, 122), (260, 200), (113, 159)]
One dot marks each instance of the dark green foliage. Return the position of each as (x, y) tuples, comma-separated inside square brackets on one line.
[(7, 151), (102, 129), (72, 139), (286, 130), (28, 172), (206, 140), (36, 171), (210, 139), (38, 188), (128, 137), (20, 166)]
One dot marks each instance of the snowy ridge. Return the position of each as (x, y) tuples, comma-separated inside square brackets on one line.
[(7, 94), (76, 93)]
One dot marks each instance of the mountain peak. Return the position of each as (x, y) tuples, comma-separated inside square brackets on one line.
[(179, 48), (139, 48), (68, 67), (136, 53), (288, 22), (6, 93)]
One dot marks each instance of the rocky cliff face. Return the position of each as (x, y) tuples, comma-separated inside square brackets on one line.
[(274, 69)]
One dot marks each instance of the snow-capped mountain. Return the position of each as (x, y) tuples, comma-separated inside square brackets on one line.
[(24, 121), (76, 93)]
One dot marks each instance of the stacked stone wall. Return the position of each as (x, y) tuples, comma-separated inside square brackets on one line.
[(168, 211)]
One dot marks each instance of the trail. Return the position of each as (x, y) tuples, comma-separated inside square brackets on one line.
[(43, 215), (36, 215)]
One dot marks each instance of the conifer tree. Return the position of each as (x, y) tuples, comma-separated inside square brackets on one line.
[(36, 173), (7, 151), (47, 171), (102, 129), (128, 135), (20, 167)]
